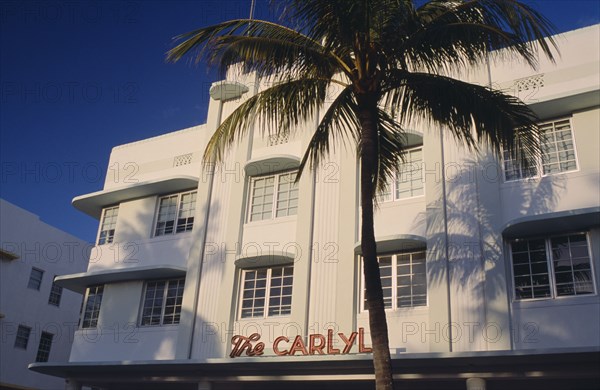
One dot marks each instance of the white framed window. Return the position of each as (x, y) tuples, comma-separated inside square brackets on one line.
[(558, 155), (266, 292), (35, 278), (91, 309), (22, 338), (162, 302), (553, 266), (175, 213), (273, 196), (108, 225), (403, 280), (43, 353), (55, 295), (408, 182)]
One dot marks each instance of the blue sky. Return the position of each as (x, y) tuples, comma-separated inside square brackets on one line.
[(77, 78)]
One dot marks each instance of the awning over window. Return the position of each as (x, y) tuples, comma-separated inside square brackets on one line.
[(92, 204), (396, 243), (265, 260), (79, 282), (270, 164), (559, 222)]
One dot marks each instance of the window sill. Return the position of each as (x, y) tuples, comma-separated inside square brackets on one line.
[(173, 235), (402, 201), (535, 179), (587, 299), (149, 328), (401, 312), (272, 221), (270, 318)]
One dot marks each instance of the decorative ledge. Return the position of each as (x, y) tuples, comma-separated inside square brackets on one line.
[(227, 90), (270, 164), (92, 204), (395, 243), (264, 260), (6, 255), (79, 282), (558, 222)]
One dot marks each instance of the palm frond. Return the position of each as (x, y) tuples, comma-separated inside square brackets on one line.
[(269, 57), (276, 110), (339, 120), (464, 32), (390, 154), (472, 113), (264, 47)]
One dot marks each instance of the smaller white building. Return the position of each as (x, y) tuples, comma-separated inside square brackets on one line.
[(37, 317)]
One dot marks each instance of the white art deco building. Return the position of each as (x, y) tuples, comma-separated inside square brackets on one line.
[(243, 279)]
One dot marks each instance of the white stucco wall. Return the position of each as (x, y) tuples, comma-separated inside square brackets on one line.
[(44, 247), (461, 217)]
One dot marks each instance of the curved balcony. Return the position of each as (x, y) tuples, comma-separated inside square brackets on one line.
[(92, 204), (558, 222), (79, 282)]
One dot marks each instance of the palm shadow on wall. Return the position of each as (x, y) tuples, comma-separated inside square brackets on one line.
[(475, 221)]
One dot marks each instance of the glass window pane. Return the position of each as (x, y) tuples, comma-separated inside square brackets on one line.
[(571, 265), (530, 269)]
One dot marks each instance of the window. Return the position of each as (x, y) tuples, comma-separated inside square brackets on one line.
[(93, 300), (43, 352), (176, 213), (267, 292), (557, 153), (162, 302), (35, 278), (108, 225), (552, 267), (55, 295), (403, 280), (273, 194), (22, 338), (409, 179)]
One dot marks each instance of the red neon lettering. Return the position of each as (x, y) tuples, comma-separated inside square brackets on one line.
[(298, 346), (318, 348), (361, 342), (276, 346), (348, 341), (241, 343), (330, 349)]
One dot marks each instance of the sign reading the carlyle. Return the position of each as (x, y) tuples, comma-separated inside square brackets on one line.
[(318, 344)]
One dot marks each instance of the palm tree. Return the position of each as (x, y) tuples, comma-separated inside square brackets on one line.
[(393, 63)]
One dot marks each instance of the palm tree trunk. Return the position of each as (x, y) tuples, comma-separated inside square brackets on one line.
[(374, 294)]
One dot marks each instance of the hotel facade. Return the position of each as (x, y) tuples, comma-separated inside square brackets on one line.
[(237, 276)]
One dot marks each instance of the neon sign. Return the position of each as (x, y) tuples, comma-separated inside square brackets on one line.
[(318, 344)]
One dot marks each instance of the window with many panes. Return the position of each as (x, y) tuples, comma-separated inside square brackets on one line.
[(43, 352), (557, 153), (266, 292), (35, 278), (55, 294), (108, 225), (409, 181), (175, 213), (554, 266), (22, 338), (273, 196), (91, 307), (162, 302), (403, 280)]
